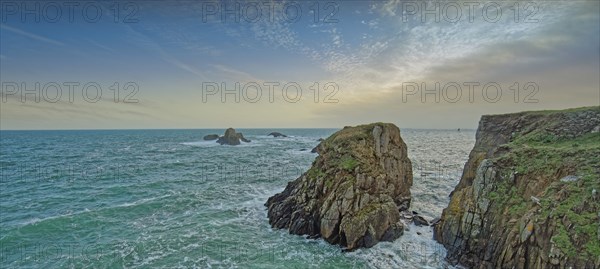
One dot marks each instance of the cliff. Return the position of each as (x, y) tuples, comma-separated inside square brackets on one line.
[(528, 195), (353, 192)]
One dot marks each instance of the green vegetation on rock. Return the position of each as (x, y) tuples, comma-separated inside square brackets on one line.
[(348, 163), (531, 191)]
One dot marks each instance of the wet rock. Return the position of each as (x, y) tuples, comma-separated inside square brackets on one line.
[(420, 221)]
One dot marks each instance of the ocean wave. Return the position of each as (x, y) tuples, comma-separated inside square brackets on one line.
[(35, 221)]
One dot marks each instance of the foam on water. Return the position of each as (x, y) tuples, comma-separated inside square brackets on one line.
[(176, 209)]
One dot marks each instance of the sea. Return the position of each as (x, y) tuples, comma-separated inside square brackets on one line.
[(168, 199)]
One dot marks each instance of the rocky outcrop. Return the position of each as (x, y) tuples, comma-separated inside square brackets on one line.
[(277, 134), (211, 137), (512, 210), (353, 192), (231, 137)]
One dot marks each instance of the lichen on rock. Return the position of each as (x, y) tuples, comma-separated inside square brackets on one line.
[(353, 192), (513, 207)]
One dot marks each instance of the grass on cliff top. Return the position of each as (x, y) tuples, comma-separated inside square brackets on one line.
[(348, 145), (576, 109), (544, 152), (349, 134), (548, 112), (570, 204)]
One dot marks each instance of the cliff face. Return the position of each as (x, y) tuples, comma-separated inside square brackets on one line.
[(353, 192), (528, 196)]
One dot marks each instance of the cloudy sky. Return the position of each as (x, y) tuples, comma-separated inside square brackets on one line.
[(185, 64)]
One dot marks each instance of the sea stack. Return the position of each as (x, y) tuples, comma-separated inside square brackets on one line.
[(232, 138), (353, 192), (525, 198)]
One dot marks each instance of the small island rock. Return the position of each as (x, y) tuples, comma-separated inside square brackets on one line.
[(231, 138), (211, 137), (277, 134)]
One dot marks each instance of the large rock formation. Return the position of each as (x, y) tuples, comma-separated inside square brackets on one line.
[(512, 210), (231, 137), (353, 192)]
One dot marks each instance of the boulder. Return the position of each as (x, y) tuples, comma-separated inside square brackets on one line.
[(277, 134), (420, 221), (211, 137), (352, 194)]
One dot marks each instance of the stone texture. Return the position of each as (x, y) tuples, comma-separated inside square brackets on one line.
[(492, 221), (353, 192)]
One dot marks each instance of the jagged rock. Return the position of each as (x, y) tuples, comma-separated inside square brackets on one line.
[(353, 192), (211, 137), (232, 138), (420, 221), (506, 210), (277, 134), (435, 221)]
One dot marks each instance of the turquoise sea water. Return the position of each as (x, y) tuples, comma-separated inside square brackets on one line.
[(167, 199)]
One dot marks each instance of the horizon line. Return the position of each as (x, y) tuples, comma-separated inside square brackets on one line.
[(244, 128)]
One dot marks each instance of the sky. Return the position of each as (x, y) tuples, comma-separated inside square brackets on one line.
[(292, 64)]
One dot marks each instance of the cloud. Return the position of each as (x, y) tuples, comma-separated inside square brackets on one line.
[(144, 41), (558, 54), (31, 35)]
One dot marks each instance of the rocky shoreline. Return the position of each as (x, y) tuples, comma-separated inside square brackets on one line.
[(528, 196)]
